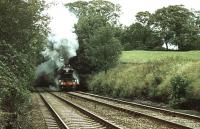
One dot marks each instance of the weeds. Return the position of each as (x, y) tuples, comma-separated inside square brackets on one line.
[(158, 80)]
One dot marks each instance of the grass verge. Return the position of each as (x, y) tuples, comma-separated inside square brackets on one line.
[(152, 79)]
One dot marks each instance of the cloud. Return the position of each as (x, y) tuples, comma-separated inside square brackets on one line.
[(129, 9)]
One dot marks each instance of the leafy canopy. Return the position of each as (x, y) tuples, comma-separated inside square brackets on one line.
[(104, 49), (95, 7), (95, 17), (23, 32)]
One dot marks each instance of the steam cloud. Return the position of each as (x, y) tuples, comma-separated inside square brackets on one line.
[(56, 54), (62, 43)]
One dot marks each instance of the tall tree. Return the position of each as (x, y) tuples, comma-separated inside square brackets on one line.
[(96, 7), (144, 18), (104, 49), (174, 24), (189, 38), (149, 37), (138, 36), (92, 16)]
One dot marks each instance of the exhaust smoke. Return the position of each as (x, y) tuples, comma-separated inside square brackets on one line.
[(56, 56), (61, 46)]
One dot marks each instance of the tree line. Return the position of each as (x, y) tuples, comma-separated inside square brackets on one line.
[(172, 25)]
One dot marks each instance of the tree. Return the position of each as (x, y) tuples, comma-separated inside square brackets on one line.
[(144, 18), (175, 25), (104, 49), (85, 29), (92, 16), (96, 7), (189, 39), (138, 36)]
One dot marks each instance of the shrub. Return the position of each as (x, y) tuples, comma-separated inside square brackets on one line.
[(14, 97), (153, 88), (179, 85), (160, 81)]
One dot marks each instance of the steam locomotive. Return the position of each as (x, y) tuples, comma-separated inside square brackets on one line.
[(68, 78)]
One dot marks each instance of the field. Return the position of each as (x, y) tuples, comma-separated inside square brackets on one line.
[(170, 77), (145, 56)]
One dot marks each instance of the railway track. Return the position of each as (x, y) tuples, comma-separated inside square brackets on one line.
[(72, 116), (48, 116), (174, 119), (124, 119)]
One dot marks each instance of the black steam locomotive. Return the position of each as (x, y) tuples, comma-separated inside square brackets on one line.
[(68, 78)]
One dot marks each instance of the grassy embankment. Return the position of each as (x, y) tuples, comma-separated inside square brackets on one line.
[(151, 75)]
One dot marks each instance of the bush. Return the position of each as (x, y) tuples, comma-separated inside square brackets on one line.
[(160, 81), (179, 84), (14, 97), (153, 89)]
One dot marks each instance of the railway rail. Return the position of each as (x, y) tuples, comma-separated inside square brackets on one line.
[(126, 120), (175, 119), (52, 119), (72, 116), (49, 120)]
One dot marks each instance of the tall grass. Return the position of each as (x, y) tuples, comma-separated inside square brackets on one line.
[(149, 79)]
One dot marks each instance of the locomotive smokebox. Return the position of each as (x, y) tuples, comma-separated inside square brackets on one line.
[(68, 79)]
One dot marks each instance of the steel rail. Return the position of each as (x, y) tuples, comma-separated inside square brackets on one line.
[(173, 124), (61, 122), (90, 114), (174, 113)]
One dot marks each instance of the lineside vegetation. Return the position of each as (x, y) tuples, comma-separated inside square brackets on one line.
[(170, 77), (23, 33)]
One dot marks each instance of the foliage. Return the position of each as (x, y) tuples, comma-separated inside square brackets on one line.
[(138, 36), (104, 49), (95, 7), (179, 85), (23, 30), (151, 78), (174, 25), (95, 17), (144, 18), (84, 30)]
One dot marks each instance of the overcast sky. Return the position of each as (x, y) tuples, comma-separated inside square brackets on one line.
[(62, 20)]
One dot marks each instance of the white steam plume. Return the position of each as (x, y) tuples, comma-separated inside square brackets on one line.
[(63, 42), (56, 55)]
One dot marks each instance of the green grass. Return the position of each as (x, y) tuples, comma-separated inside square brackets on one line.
[(147, 74), (145, 56)]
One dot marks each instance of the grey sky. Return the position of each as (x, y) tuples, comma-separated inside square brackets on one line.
[(62, 20)]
